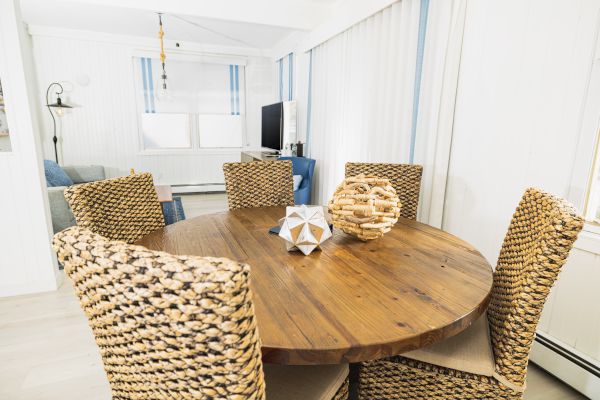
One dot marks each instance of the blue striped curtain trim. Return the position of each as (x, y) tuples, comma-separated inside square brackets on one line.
[(423, 14), (280, 79), (145, 84), (231, 94), (150, 85), (309, 103), (237, 89), (291, 76)]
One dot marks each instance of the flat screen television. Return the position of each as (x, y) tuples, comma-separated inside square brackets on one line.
[(272, 126)]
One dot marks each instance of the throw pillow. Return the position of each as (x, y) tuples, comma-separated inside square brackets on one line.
[(55, 175), (297, 181)]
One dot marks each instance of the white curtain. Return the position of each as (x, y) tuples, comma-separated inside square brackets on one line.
[(285, 82), (362, 95)]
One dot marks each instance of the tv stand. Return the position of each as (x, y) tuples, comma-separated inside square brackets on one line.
[(249, 156)]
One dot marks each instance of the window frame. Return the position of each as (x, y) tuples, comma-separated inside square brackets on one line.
[(584, 191), (196, 148)]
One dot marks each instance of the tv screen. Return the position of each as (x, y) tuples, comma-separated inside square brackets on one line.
[(272, 120)]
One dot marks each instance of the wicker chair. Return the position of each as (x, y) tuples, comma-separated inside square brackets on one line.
[(124, 208), (471, 365), (405, 178), (259, 184), (179, 327)]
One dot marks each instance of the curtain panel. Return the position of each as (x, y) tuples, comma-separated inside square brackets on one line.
[(362, 95), (384, 91), (285, 78)]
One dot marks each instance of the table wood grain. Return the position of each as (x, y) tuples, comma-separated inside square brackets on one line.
[(165, 193), (352, 301)]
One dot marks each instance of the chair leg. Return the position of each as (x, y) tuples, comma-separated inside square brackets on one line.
[(354, 377)]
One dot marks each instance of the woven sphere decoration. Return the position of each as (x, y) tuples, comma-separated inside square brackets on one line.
[(365, 206)]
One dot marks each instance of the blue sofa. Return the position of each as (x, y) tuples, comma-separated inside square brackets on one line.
[(306, 168)]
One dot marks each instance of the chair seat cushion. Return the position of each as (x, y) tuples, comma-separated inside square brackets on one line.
[(304, 382), (469, 351)]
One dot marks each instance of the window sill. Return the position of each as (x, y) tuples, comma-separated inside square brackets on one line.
[(589, 238), (199, 152)]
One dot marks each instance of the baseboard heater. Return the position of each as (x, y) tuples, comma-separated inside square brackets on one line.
[(198, 188), (569, 355), (567, 364)]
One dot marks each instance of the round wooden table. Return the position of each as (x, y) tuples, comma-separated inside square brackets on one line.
[(353, 301)]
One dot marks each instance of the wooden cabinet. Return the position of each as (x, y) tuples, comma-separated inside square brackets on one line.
[(249, 156)]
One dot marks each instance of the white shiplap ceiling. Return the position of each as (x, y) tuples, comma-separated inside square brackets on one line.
[(256, 24)]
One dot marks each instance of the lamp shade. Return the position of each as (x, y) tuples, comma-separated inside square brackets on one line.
[(59, 104)]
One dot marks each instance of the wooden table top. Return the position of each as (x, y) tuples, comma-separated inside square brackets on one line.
[(164, 192), (353, 301)]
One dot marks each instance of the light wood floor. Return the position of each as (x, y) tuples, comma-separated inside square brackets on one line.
[(47, 351)]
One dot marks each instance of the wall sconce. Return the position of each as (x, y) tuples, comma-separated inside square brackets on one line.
[(59, 108)]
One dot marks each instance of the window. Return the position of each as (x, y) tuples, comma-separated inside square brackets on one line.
[(203, 107), (592, 209), (4, 138), (585, 184), (166, 131)]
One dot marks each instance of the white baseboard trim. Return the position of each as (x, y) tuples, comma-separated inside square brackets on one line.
[(204, 188), (568, 365)]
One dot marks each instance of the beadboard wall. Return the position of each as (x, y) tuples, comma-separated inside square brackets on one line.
[(96, 70), (571, 318), (27, 262)]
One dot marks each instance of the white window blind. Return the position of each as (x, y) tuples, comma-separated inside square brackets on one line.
[(203, 106), (166, 131)]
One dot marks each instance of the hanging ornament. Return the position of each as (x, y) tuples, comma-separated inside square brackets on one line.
[(163, 93)]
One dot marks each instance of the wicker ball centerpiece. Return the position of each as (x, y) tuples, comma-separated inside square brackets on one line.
[(365, 206)]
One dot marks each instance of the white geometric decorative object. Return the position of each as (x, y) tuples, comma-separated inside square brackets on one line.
[(304, 228)]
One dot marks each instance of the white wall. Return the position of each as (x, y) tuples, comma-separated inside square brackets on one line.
[(26, 258), (518, 113), (103, 129), (522, 87)]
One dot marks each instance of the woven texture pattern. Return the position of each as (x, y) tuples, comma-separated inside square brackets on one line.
[(343, 392), (400, 378), (259, 184), (405, 178), (539, 239), (365, 206), (168, 327), (119, 209)]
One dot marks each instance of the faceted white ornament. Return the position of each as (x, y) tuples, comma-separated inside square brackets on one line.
[(304, 228)]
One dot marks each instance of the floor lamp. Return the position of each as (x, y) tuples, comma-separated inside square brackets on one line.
[(59, 107)]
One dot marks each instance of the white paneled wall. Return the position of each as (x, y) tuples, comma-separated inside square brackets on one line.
[(96, 71), (572, 314), (571, 318), (26, 258)]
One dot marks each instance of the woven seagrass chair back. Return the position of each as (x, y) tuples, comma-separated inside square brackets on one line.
[(124, 208), (167, 327), (405, 178), (259, 184), (538, 241)]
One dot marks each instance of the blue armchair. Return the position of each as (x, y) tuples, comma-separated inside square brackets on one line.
[(306, 168)]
